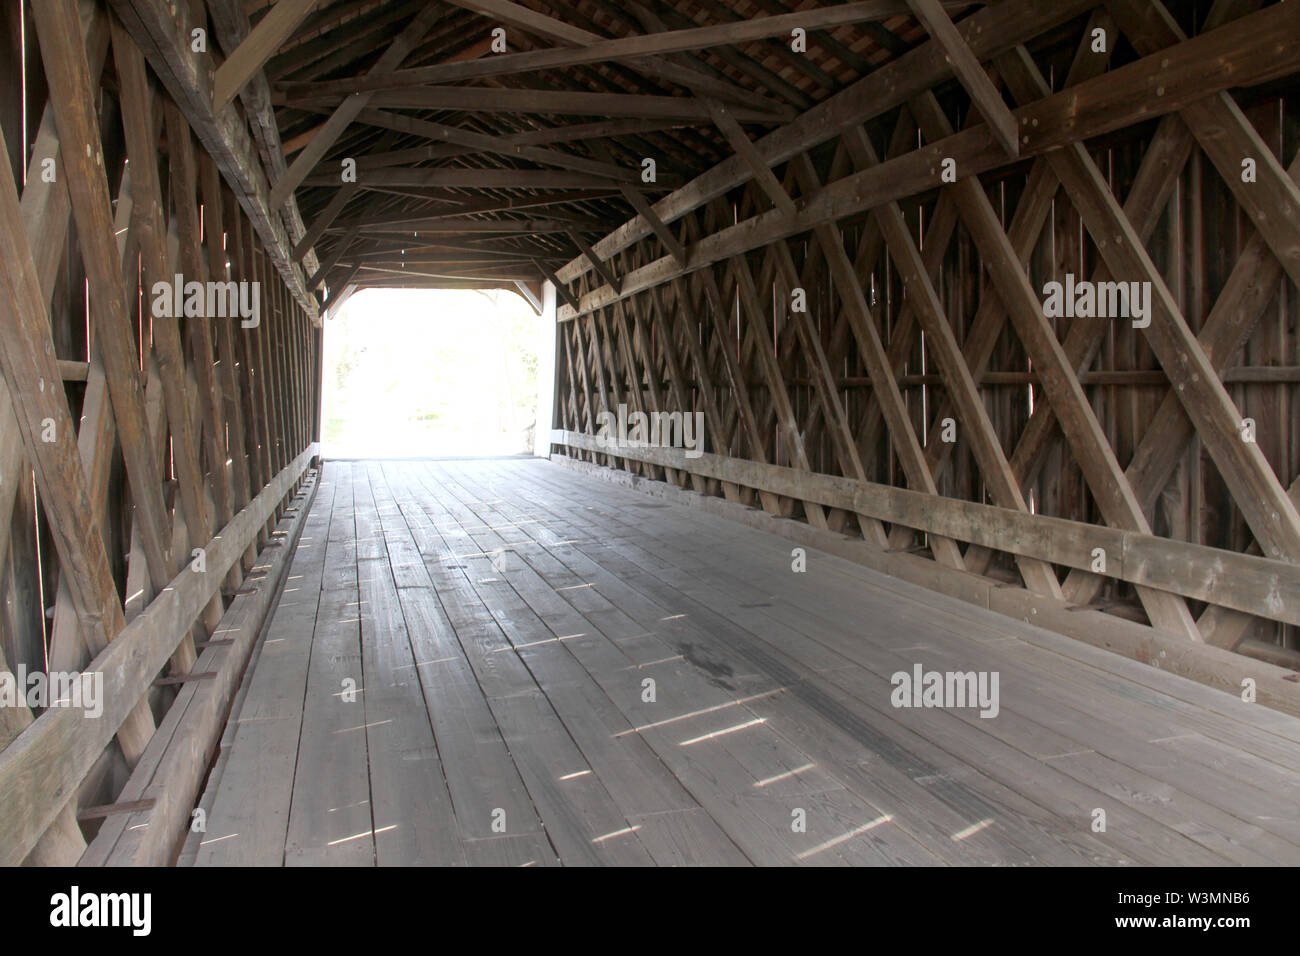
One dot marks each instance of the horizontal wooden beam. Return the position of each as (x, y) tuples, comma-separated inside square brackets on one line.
[(498, 145), (404, 217), (390, 281), (1254, 49), (42, 768), (504, 275), (478, 249), (342, 114), (164, 787), (1243, 582), (454, 141), (620, 50), (675, 70), (74, 371), (988, 32), (461, 178), (470, 99), (458, 226), (1138, 378), (1211, 666), (518, 267), (603, 129)]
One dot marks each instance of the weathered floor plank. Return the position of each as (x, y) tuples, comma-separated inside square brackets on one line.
[(552, 669)]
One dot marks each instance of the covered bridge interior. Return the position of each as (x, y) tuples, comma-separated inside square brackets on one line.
[(969, 336)]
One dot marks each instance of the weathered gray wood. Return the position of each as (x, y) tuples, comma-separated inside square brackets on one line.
[(174, 765), (62, 843), (754, 317), (95, 442), (68, 71), (1254, 584), (682, 582), (27, 358), (594, 704), (53, 755), (247, 805), (330, 819), (616, 522), (547, 598), (1201, 663), (542, 600), (414, 821)]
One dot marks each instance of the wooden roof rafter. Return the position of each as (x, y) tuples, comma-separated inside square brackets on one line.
[(551, 41)]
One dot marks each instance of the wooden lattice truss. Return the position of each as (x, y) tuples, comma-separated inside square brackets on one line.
[(925, 310), (130, 441), (213, 425)]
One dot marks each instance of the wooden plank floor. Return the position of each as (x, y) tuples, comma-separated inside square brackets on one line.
[(549, 669)]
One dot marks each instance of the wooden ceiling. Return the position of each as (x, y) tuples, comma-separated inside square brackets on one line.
[(474, 164)]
